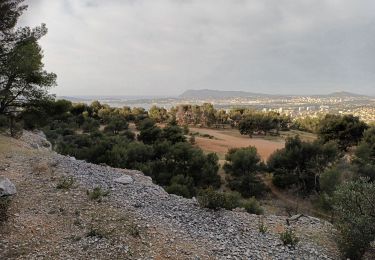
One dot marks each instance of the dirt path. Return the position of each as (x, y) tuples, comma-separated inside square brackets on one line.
[(296, 204), (225, 139)]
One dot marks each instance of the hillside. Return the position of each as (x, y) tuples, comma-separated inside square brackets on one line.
[(218, 94), (137, 220), (214, 94)]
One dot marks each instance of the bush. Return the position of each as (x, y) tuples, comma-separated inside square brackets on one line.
[(209, 198), (248, 185), (301, 163), (242, 165), (232, 200), (179, 189), (345, 130), (288, 237), (65, 183), (97, 194), (354, 209), (252, 206)]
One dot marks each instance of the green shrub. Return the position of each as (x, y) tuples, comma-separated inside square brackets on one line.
[(354, 210), (252, 206), (288, 237), (324, 202), (179, 189), (97, 194), (232, 200), (65, 183), (209, 198)]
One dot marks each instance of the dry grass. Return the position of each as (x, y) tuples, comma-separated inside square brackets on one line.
[(224, 139), (40, 168)]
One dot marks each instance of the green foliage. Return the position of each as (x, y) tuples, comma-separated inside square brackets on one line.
[(252, 206), (212, 199), (307, 124), (329, 180), (179, 189), (149, 133), (355, 216), (97, 194), (300, 164), (65, 183), (158, 114), (242, 165), (173, 134), (116, 125), (90, 125), (172, 162), (23, 80), (364, 159), (289, 238), (262, 123), (10, 11), (345, 130), (242, 161), (182, 186)]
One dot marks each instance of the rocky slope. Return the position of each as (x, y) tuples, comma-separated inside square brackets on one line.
[(137, 220)]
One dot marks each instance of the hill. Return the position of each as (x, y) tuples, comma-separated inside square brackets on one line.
[(215, 94), (220, 94), (137, 220), (345, 94)]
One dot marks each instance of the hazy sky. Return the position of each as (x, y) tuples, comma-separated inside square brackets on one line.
[(163, 47)]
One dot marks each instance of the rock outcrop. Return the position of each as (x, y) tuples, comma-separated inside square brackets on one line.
[(7, 188)]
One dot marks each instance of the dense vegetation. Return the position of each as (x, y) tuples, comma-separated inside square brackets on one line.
[(300, 164), (99, 134)]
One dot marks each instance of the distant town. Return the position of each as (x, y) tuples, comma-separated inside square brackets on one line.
[(293, 106)]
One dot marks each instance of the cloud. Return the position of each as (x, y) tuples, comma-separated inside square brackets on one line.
[(166, 46)]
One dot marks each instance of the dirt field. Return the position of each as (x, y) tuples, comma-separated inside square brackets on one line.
[(225, 139)]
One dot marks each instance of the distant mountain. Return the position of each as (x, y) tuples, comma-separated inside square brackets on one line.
[(208, 93), (345, 94), (217, 94)]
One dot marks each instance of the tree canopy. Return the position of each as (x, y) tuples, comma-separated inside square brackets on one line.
[(23, 80), (345, 130), (301, 163)]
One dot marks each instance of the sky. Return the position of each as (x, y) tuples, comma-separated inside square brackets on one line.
[(164, 47)]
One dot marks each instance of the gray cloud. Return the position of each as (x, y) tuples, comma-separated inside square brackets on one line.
[(141, 47)]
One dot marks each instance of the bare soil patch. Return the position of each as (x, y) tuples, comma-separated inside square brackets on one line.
[(230, 138)]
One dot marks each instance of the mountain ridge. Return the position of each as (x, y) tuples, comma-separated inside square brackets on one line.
[(211, 93)]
